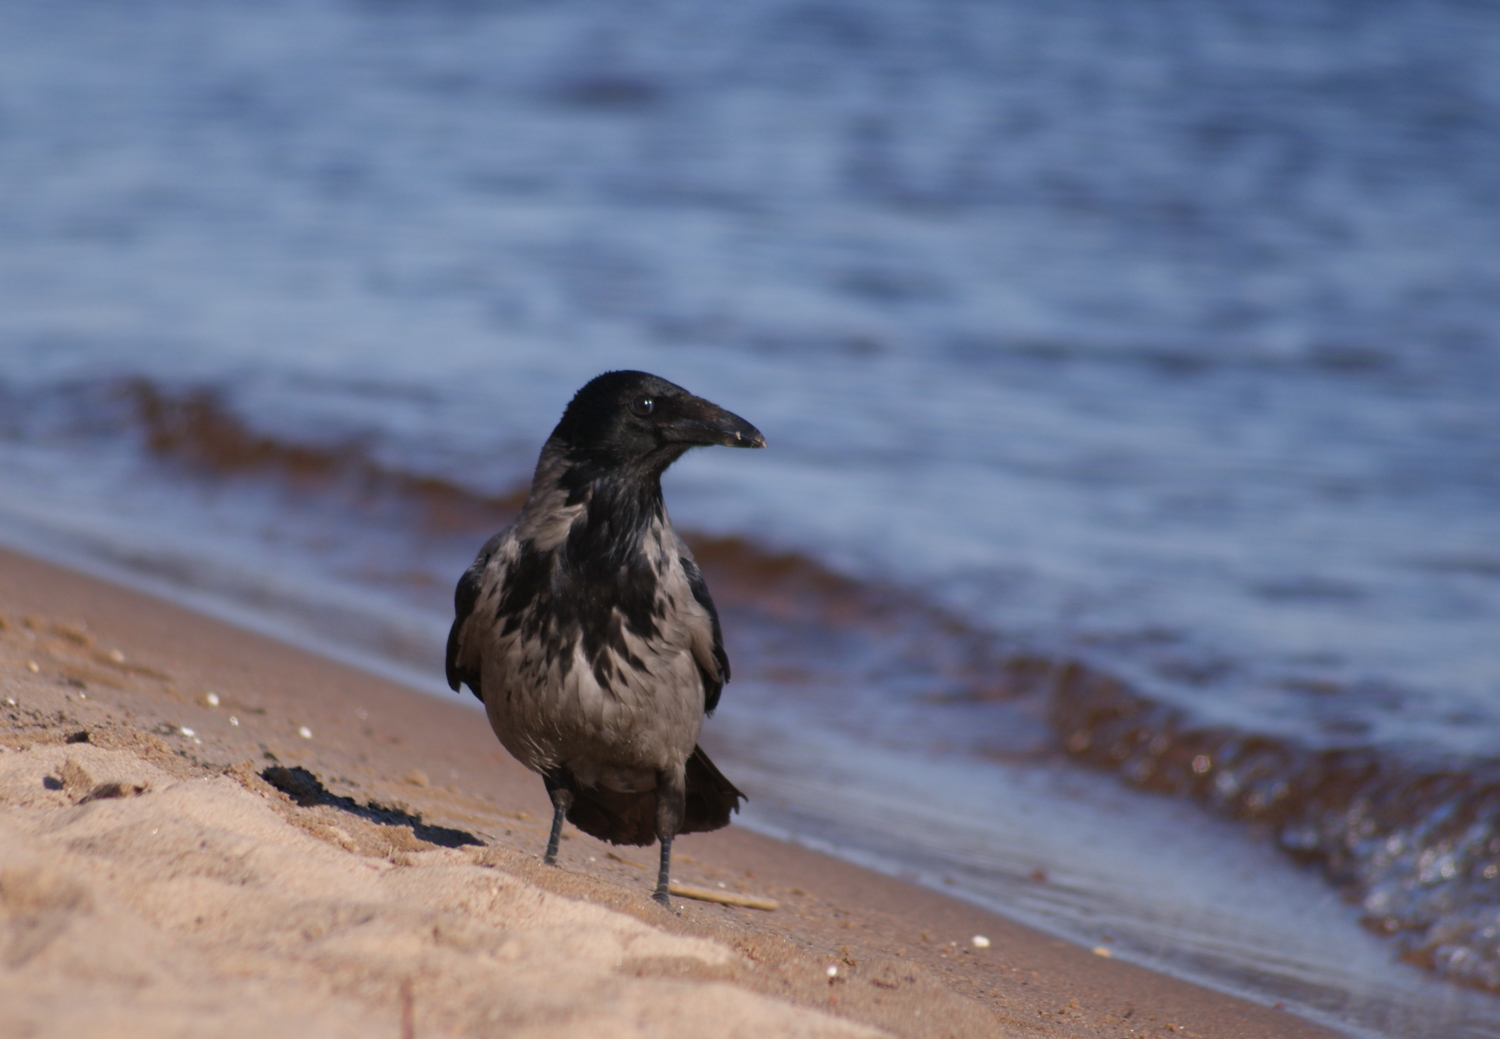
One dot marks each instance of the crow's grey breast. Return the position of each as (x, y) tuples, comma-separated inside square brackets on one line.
[(587, 630)]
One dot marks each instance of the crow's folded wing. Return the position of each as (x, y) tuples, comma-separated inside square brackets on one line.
[(486, 573), (708, 639)]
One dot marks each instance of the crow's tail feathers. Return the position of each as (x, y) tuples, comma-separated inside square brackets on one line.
[(631, 818), (613, 816), (710, 797)]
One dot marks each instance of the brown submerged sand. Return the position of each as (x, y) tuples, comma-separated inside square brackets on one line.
[(154, 883)]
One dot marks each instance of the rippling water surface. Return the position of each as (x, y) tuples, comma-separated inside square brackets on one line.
[(1130, 375)]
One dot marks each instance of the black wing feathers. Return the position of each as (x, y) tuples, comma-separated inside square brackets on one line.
[(464, 598), (713, 685)]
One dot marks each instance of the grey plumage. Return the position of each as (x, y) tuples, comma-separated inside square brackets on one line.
[(586, 629)]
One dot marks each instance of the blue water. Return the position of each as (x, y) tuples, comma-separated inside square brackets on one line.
[(1163, 337)]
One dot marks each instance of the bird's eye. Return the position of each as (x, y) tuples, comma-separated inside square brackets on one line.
[(643, 406)]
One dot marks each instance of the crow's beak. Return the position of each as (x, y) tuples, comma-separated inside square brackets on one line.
[(699, 422)]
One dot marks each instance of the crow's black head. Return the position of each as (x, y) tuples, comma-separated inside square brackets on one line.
[(630, 419)]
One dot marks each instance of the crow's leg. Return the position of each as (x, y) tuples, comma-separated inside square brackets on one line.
[(671, 806), (664, 875), (562, 799)]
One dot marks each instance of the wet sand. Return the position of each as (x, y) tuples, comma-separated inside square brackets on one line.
[(204, 831)]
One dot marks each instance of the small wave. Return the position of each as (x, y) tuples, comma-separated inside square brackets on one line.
[(196, 428), (1416, 842)]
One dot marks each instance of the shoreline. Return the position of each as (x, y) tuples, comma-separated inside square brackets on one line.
[(409, 786)]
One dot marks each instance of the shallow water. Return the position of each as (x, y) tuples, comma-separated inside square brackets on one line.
[(1129, 376)]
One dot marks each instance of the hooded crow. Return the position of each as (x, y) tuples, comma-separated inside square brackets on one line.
[(586, 630)]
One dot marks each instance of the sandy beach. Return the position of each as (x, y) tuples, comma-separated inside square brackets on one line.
[(206, 832)]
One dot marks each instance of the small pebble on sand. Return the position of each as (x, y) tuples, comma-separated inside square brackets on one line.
[(980, 941), (233, 720), (833, 970), (211, 698), (305, 732), (32, 665), (1100, 950)]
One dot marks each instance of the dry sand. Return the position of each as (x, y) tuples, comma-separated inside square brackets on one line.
[(385, 881)]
